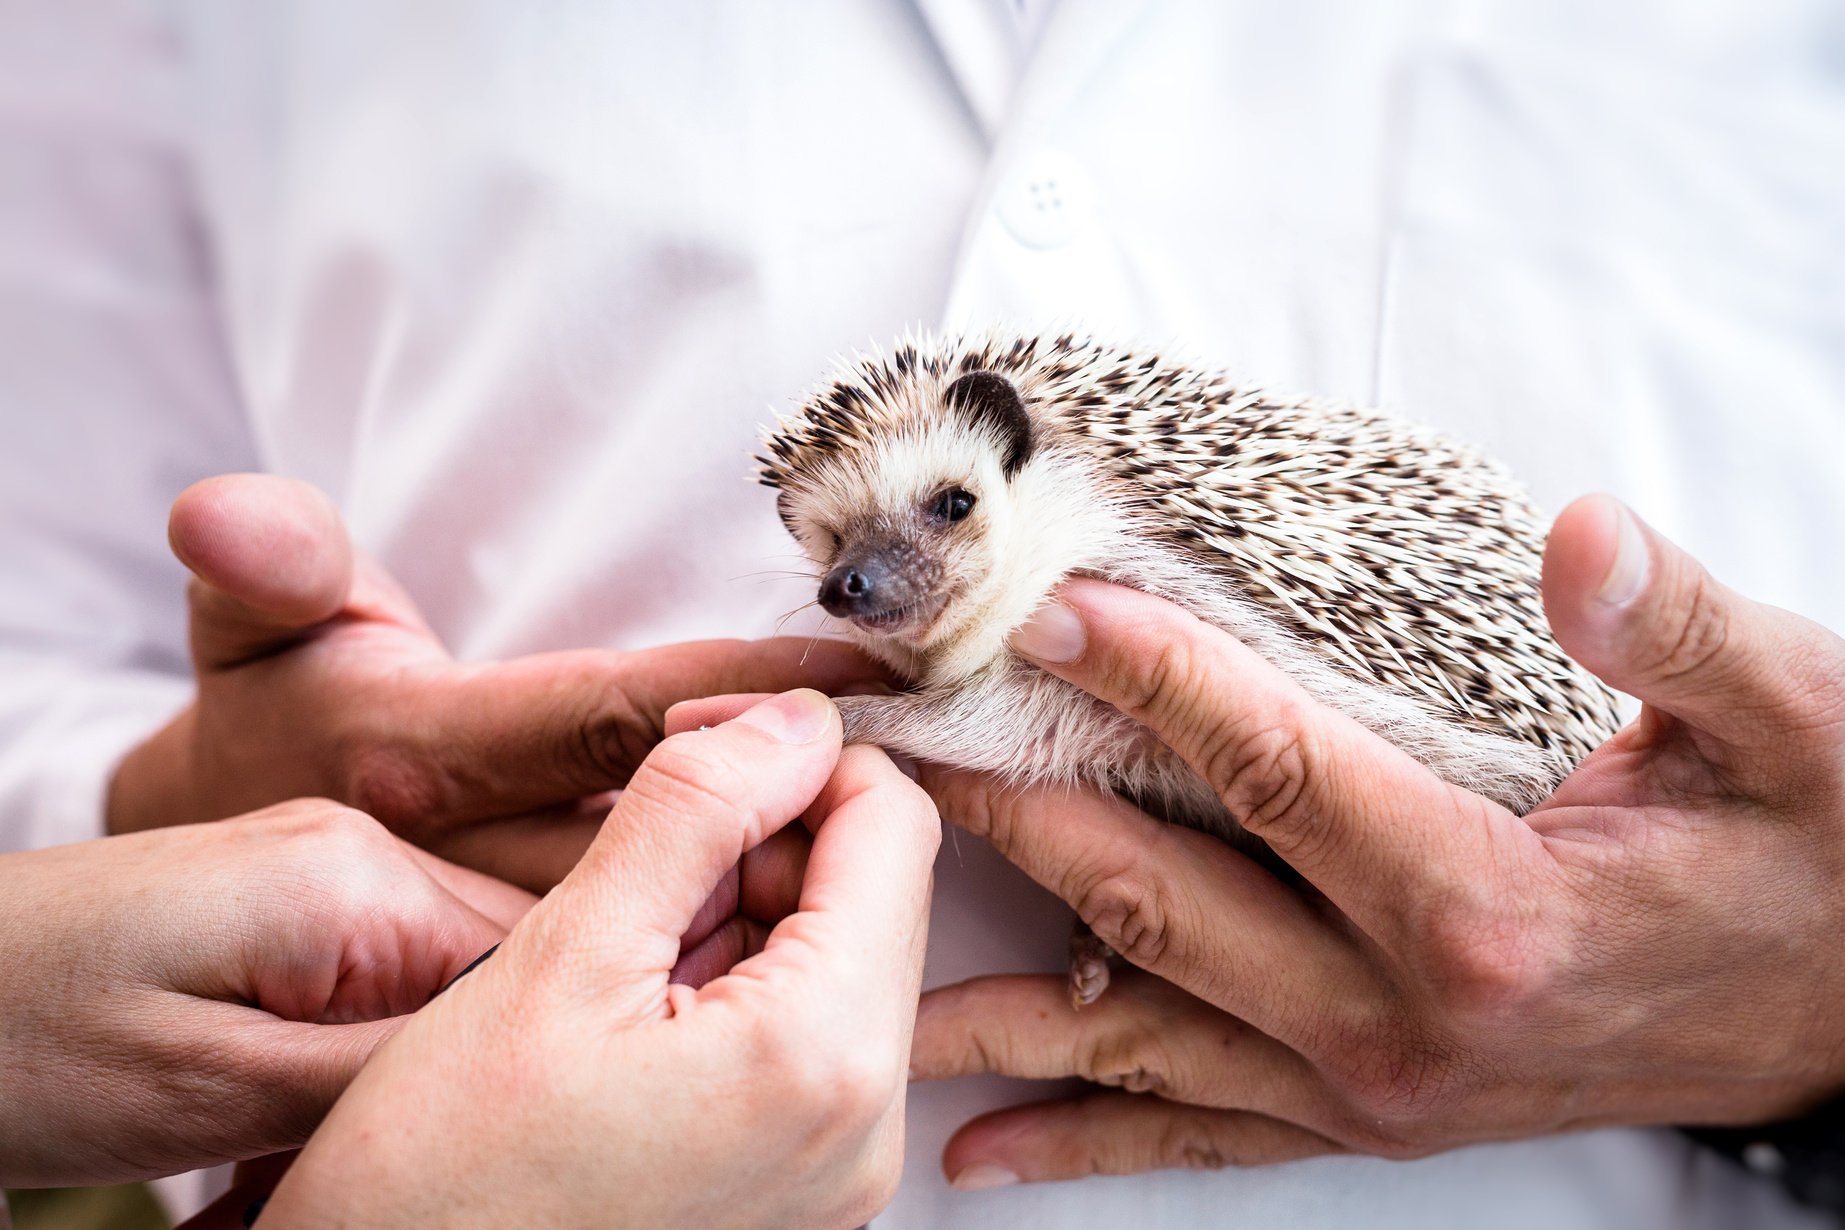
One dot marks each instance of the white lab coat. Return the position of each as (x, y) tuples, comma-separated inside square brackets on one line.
[(517, 285)]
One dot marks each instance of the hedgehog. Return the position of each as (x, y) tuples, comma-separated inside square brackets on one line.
[(944, 489)]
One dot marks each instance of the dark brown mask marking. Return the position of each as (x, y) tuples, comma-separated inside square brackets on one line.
[(879, 575)]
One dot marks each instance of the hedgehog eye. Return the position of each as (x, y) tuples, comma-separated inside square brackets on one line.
[(952, 505)]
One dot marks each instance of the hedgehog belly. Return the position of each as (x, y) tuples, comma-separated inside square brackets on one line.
[(1029, 728)]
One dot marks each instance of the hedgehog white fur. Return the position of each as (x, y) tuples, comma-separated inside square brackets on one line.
[(945, 489)]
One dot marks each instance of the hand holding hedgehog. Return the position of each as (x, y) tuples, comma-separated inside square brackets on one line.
[(1654, 943), (1392, 573)]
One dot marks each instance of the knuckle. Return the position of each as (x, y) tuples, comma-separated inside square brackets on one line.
[(615, 738), (1394, 1092), (293, 816), (335, 828), (1487, 961), (1162, 684), (1264, 777), (686, 774), (1128, 911), (983, 808), (1187, 1142), (1700, 637), (1490, 979), (863, 1082), (1401, 1086), (404, 791), (844, 1082), (781, 1050), (971, 806), (340, 861), (1133, 1060)]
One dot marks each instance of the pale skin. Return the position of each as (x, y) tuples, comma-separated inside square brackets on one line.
[(706, 1023), (571, 1080), (1656, 943), (196, 995), (318, 676)]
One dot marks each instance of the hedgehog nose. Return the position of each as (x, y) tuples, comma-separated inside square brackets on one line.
[(850, 589)]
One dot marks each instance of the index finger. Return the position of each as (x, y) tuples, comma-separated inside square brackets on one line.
[(1365, 823), (1180, 904), (535, 731)]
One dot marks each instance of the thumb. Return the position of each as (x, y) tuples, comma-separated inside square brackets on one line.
[(698, 802), (272, 558), (1647, 618)]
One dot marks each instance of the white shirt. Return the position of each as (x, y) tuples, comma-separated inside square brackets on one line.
[(518, 284)]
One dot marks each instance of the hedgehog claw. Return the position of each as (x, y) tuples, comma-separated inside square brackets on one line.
[(1089, 974)]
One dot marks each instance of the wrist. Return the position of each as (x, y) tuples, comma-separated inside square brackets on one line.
[(379, 1171), (412, 1141)]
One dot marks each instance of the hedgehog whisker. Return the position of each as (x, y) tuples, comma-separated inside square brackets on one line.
[(815, 640), (788, 615), (768, 574)]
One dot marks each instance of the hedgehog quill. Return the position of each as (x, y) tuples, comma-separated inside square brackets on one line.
[(944, 490)]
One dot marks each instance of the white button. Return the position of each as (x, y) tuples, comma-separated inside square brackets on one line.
[(1763, 1158), (1046, 201)]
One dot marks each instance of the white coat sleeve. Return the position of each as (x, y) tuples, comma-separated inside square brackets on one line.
[(115, 394)]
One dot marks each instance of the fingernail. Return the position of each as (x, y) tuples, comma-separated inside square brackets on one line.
[(1054, 633), (793, 717), (982, 1175), (905, 766), (1627, 575)]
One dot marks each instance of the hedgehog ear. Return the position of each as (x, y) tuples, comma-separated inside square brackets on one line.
[(784, 508), (989, 400)]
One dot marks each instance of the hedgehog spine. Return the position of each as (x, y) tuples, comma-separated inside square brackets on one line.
[(1334, 542)]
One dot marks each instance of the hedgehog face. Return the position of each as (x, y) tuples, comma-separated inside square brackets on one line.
[(905, 532), (930, 531)]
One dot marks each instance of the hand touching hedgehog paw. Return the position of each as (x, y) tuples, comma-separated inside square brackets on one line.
[(1654, 943), (318, 676)]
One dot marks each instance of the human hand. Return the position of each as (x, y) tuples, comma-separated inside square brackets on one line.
[(317, 676), (1656, 943), (196, 995), (570, 1081)]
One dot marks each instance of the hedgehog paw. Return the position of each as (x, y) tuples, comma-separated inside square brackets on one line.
[(1088, 968)]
